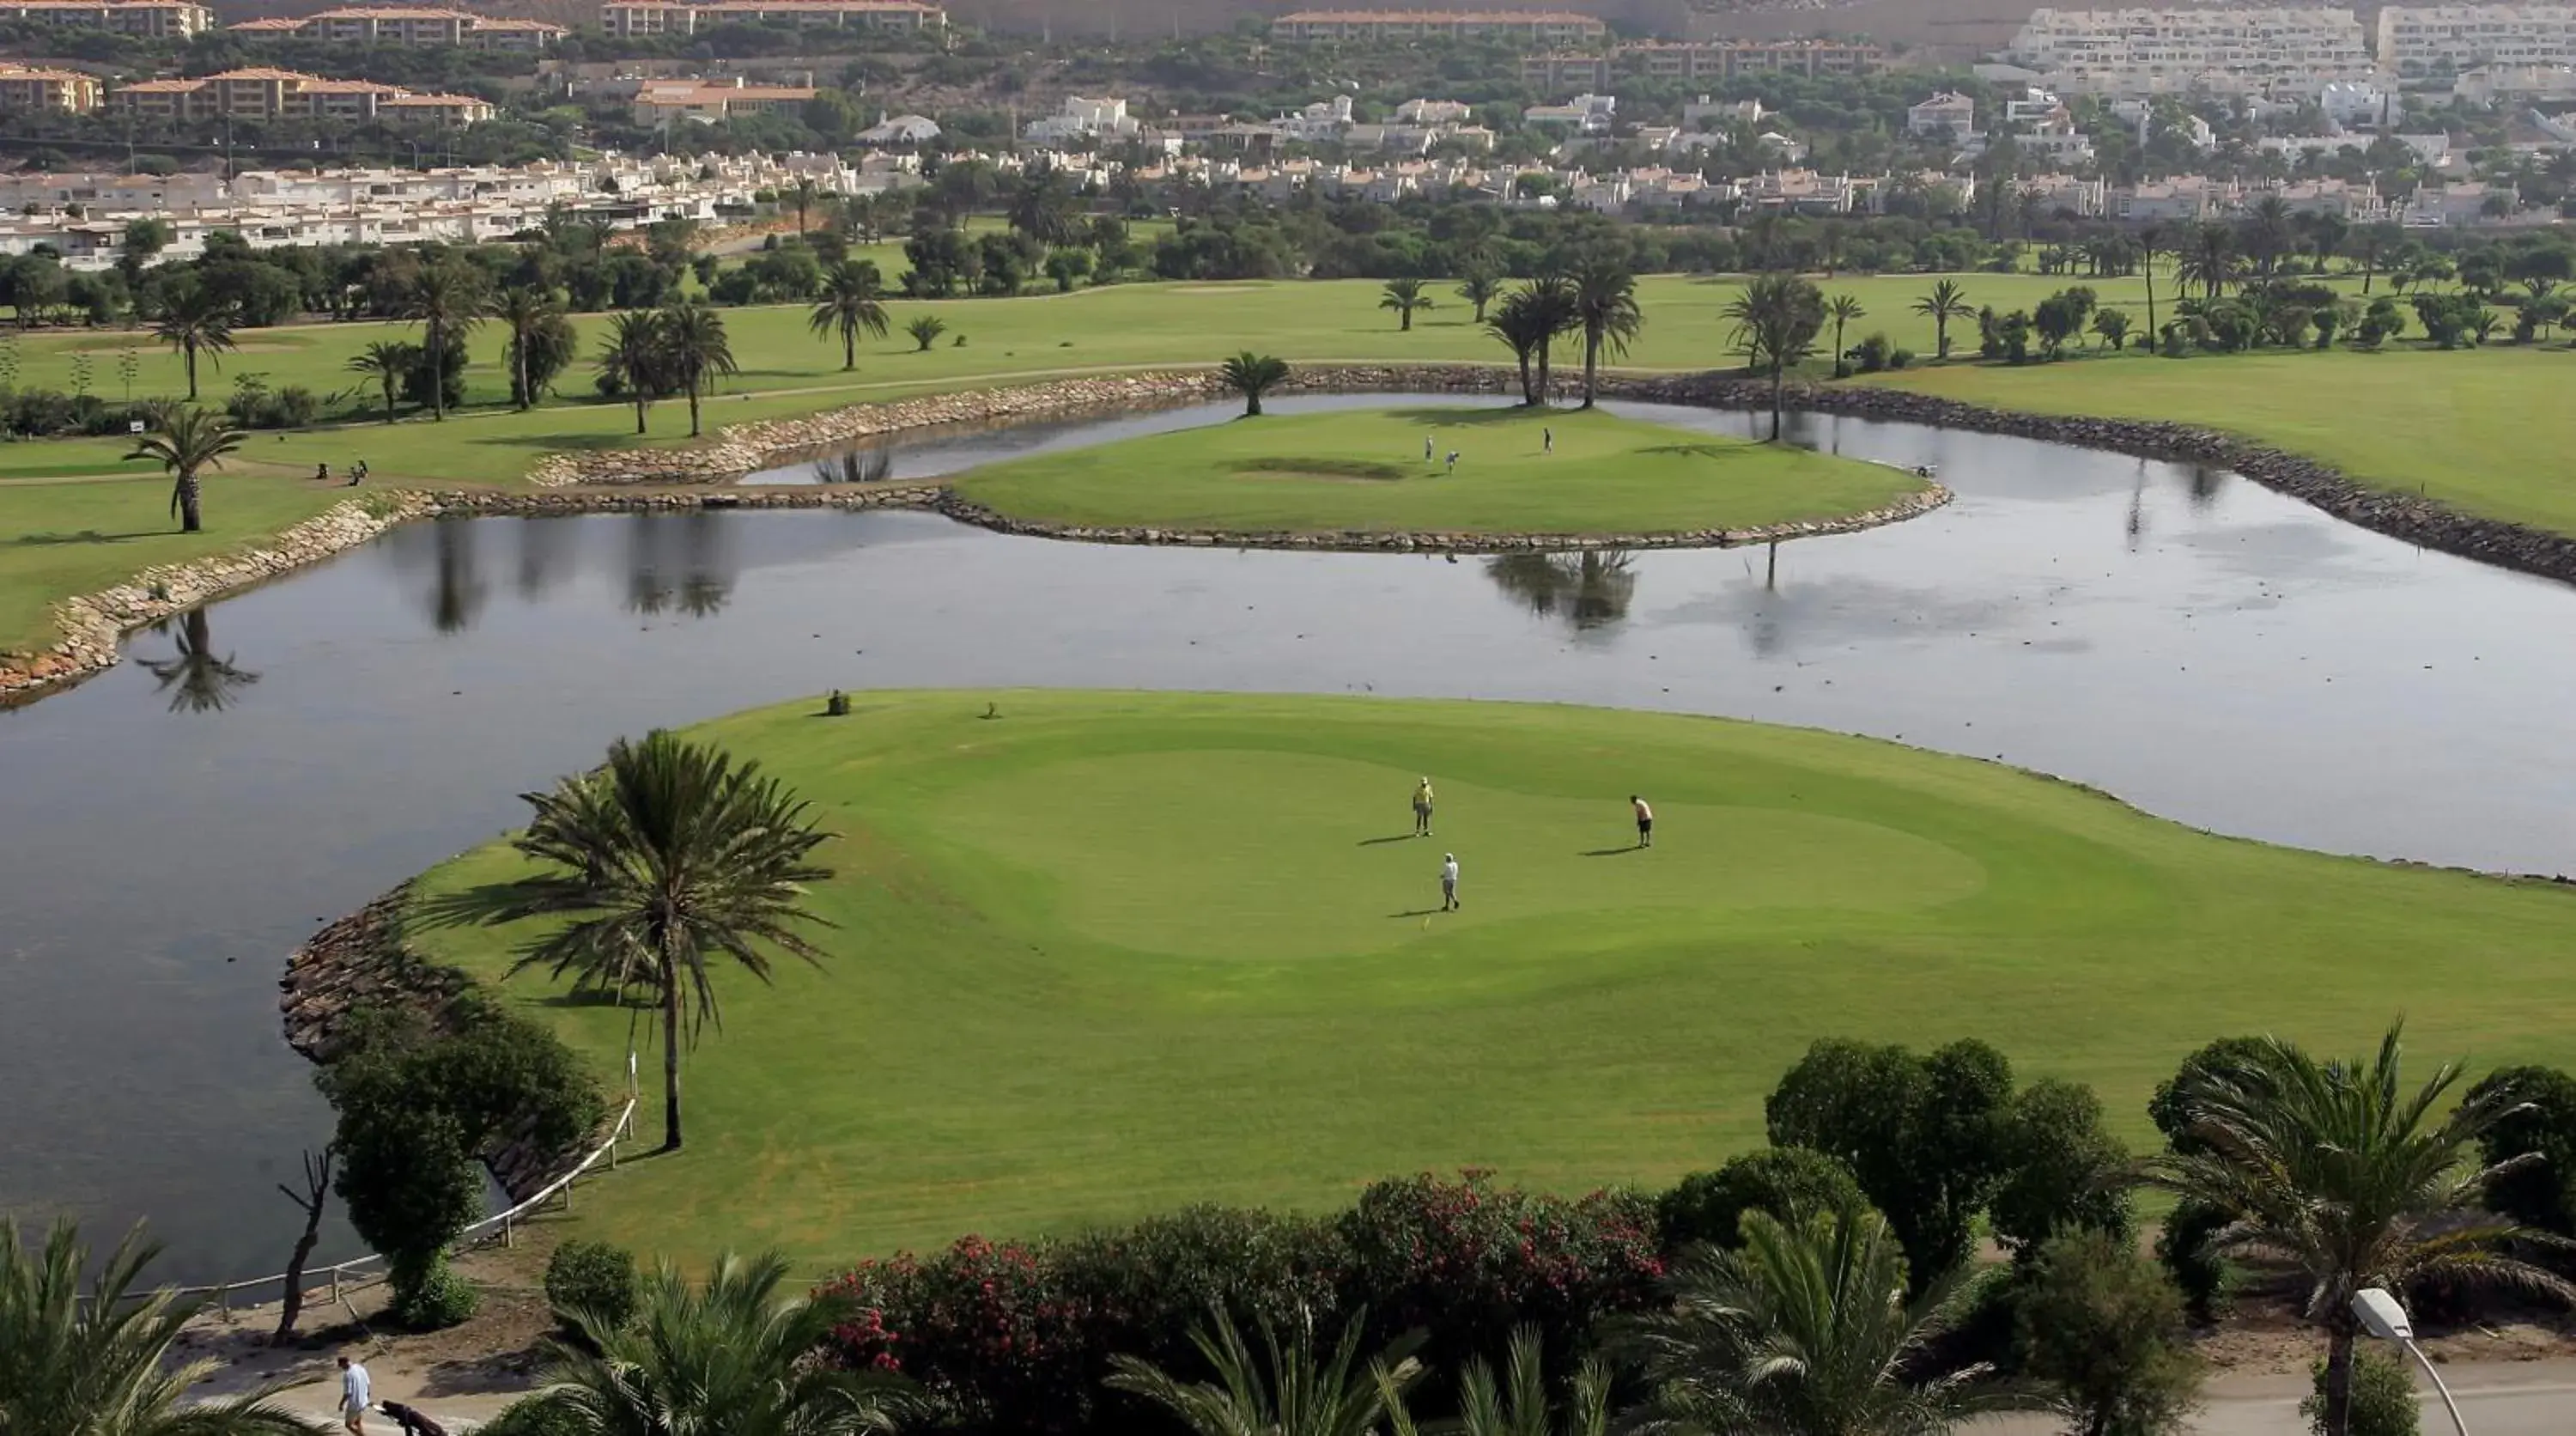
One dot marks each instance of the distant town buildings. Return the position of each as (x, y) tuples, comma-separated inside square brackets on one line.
[(261, 93), (632, 17), (1586, 114), (124, 17), (2135, 52), (1542, 27), (1083, 119), (899, 131), (661, 101), (59, 91), (1701, 60), (1946, 115), (2422, 39), (406, 25)]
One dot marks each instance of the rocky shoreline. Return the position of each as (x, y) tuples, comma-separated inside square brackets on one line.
[(615, 481)]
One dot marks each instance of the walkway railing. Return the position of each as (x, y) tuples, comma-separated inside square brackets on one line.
[(500, 1226)]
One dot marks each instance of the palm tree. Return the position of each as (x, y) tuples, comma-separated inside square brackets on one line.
[(1043, 209), (196, 319), (1605, 306), (97, 1362), (925, 331), (1777, 317), (386, 361), (1843, 308), (802, 194), (631, 359), (523, 310), (1806, 1331), (695, 352), (1528, 321), (1947, 301), (2335, 1171), (2268, 234), (670, 856), (446, 299), (196, 680), (2209, 259), (853, 303), (1519, 1405), (1404, 296), (2148, 236), (1293, 1392), (731, 1357), (1252, 375), (1480, 287), (187, 441)]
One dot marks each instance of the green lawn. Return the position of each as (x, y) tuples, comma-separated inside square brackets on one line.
[(1103, 954), (1364, 470), (2477, 428)]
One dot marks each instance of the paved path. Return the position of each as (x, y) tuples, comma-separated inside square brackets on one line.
[(2497, 1398)]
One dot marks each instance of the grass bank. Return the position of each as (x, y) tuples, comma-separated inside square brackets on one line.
[(1110, 953), (1366, 470)]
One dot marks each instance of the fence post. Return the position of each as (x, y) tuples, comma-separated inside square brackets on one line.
[(224, 1301), (335, 1284), (505, 1229)]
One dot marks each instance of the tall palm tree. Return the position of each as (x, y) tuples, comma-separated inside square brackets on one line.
[(1044, 209), (2209, 258), (1605, 307), (188, 441), (853, 303), (446, 299), (1480, 287), (2150, 235), (2268, 234), (1843, 308), (731, 1357), (1252, 375), (523, 310), (1528, 322), (1290, 1390), (1404, 296), (1806, 1331), (1519, 1403), (695, 352), (631, 359), (97, 1362), (386, 361), (671, 856), (802, 194), (2333, 1169), (196, 319), (1947, 301), (196, 680), (1776, 319)]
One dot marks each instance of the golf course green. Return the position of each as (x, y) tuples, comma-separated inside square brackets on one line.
[(1098, 954), (1518, 471)]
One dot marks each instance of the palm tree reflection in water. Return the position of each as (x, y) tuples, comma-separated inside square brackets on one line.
[(1589, 589), (696, 581), (196, 680), (868, 467)]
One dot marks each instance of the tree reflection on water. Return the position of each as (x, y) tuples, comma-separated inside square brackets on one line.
[(196, 680), (1589, 589)]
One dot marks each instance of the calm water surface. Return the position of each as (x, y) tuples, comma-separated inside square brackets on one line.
[(2193, 643)]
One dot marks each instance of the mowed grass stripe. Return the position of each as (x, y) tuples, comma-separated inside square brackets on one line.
[(1108, 953)]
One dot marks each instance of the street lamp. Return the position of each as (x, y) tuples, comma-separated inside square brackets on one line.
[(2385, 1319)]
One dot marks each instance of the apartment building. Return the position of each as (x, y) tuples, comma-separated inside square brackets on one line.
[(62, 91), (2137, 52), (261, 93), (1541, 27), (408, 25), (1947, 115), (151, 18), (628, 17), (1729, 59), (659, 100), (2422, 39)]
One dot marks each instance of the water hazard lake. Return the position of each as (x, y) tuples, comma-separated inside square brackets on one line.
[(2191, 642)]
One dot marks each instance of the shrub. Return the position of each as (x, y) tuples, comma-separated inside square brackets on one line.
[(2539, 1193), (1871, 353), (1783, 1181), (1899, 358), (591, 1277), (837, 705), (2383, 1396), (2207, 1281), (432, 1298), (2103, 1331)]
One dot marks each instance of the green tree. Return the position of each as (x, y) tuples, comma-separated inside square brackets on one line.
[(2102, 1331), (1404, 296), (2112, 325), (1605, 309), (1806, 1331), (2334, 1169), (1528, 322), (1480, 286), (1520, 1403), (1947, 301), (925, 331), (1291, 1389), (1842, 309), (802, 194), (2383, 1396), (196, 319), (1923, 1134), (2210, 259), (2534, 1147), (98, 1362), (853, 304), (2061, 1169), (386, 361), (672, 856), (1044, 209), (631, 360), (446, 299), (1252, 375), (1776, 319), (1791, 1183), (528, 313), (187, 441), (695, 352), (733, 1356)]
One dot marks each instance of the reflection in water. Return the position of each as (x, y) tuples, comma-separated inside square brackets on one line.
[(680, 563), (1591, 588), (456, 598), (865, 466), (196, 680), (546, 552)]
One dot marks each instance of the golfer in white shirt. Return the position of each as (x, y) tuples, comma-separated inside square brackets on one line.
[(1449, 882)]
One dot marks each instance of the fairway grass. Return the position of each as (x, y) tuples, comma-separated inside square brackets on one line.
[(1104, 954), (1364, 470)]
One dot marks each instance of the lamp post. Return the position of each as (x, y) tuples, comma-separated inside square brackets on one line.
[(2384, 1318)]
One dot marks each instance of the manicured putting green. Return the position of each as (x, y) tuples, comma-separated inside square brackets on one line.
[(1365, 470), (1104, 954)]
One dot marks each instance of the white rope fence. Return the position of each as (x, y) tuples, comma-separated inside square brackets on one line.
[(499, 1226)]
